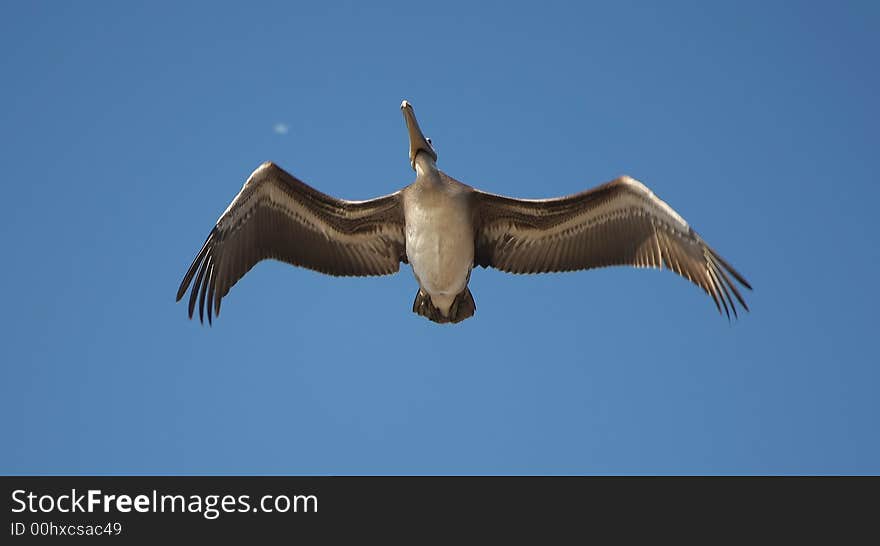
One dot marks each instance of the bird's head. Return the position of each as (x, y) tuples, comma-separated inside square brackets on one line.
[(417, 141)]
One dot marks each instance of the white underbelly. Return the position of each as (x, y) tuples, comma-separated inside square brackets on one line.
[(440, 249)]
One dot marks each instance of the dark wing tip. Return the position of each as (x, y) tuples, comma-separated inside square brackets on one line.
[(719, 270), (730, 269), (198, 275)]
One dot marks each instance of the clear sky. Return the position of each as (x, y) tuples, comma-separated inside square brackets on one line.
[(127, 129)]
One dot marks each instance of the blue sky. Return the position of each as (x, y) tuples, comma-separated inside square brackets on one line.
[(126, 130)]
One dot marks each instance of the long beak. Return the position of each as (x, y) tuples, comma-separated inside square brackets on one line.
[(417, 141)]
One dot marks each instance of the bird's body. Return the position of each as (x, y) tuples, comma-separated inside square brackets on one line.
[(444, 228), (439, 217)]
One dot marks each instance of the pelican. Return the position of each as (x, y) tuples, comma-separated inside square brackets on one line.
[(443, 229)]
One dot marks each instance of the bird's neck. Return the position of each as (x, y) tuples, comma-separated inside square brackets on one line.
[(426, 169)]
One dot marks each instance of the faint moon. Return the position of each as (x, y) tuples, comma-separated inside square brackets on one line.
[(280, 128)]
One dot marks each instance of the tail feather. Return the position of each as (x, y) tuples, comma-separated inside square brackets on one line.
[(463, 307)]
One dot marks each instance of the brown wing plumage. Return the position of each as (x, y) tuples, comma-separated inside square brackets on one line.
[(618, 223), (276, 216)]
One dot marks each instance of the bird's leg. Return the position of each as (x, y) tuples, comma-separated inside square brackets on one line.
[(453, 309)]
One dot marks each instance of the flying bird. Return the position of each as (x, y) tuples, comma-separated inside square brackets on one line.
[(443, 229)]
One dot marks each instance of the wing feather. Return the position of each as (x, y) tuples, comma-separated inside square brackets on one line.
[(276, 216), (618, 223)]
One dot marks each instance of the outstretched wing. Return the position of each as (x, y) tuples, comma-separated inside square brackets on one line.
[(618, 223), (276, 216)]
